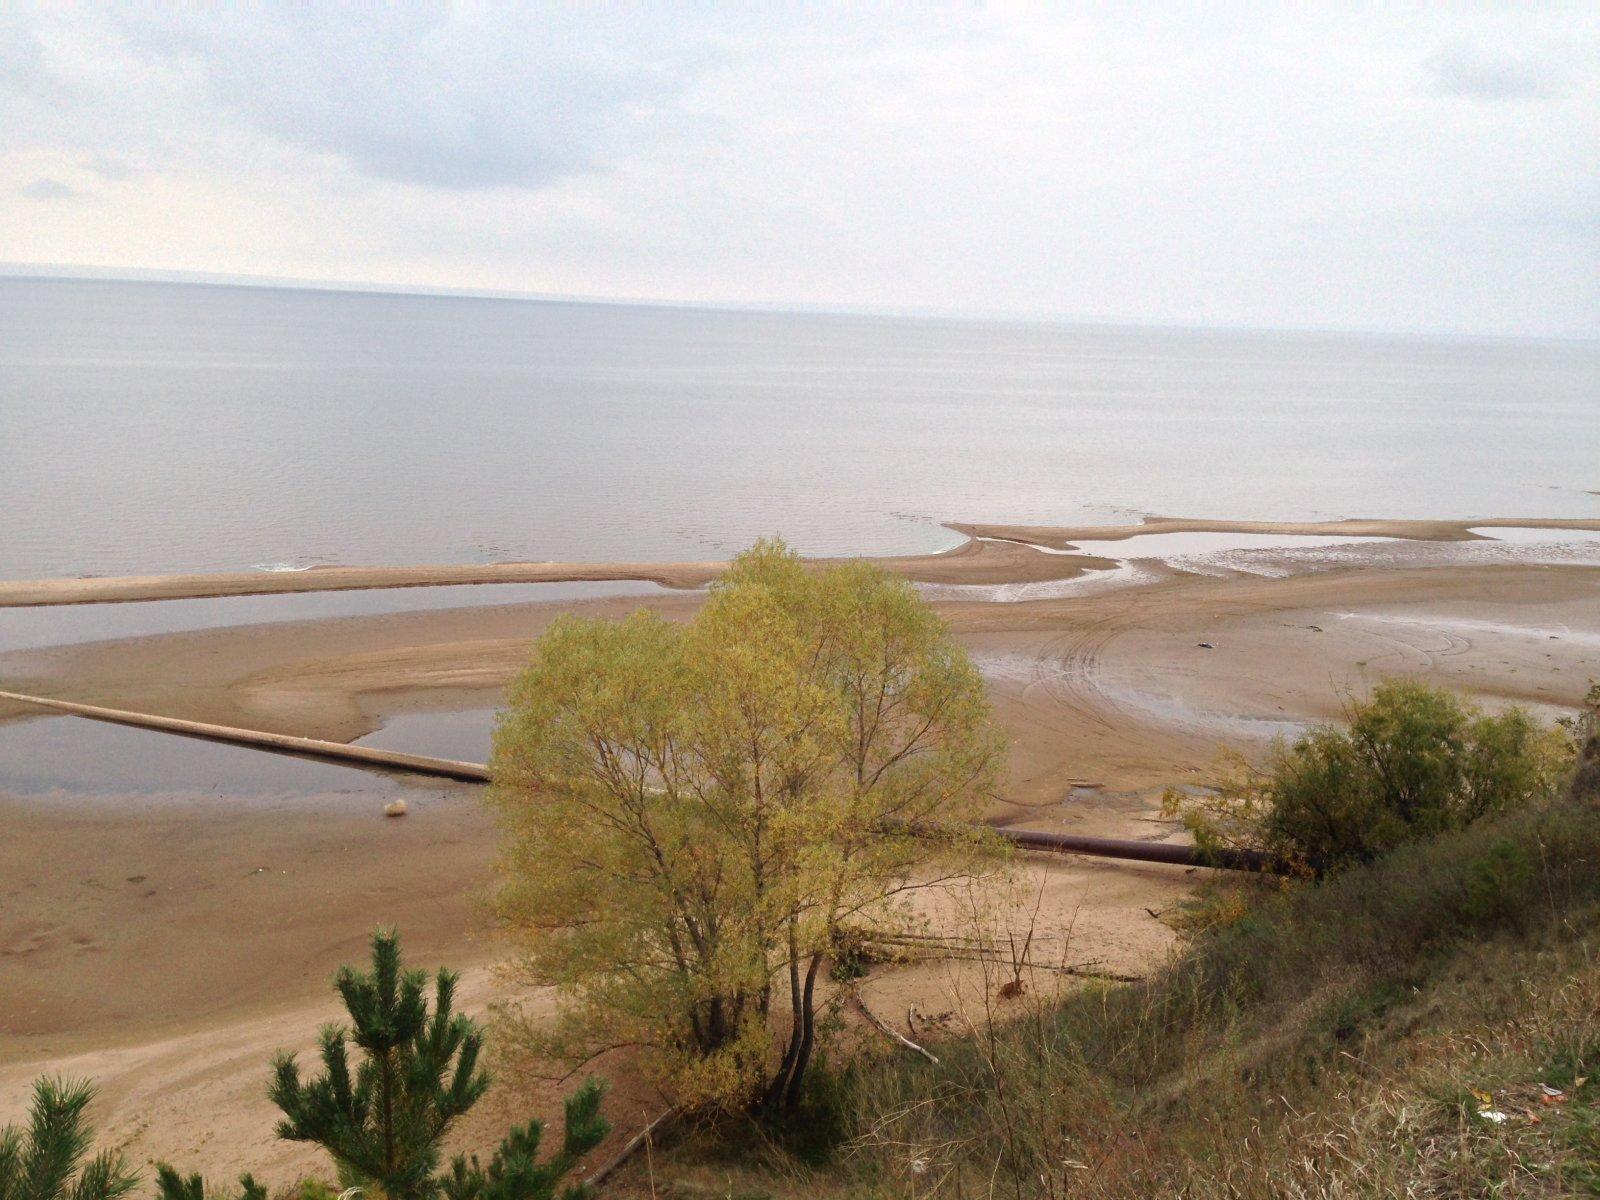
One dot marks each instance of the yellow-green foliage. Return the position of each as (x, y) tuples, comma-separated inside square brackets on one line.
[(1414, 761), (692, 813)]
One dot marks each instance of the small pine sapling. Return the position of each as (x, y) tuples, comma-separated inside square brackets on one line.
[(515, 1173), (383, 1122), (172, 1186), (42, 1162)]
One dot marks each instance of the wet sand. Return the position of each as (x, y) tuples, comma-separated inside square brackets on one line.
[(167, 947), (1280, 651), (168, 953)]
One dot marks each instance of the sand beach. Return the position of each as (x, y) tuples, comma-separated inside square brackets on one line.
[(167, 942)]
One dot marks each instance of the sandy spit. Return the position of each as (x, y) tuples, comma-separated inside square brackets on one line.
[(992, 554), (973, 561), (1061, 537)]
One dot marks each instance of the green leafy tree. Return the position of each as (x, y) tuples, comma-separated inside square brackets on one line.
[(382, 1124), (1412, 761), (694, 814), (45, 1161)]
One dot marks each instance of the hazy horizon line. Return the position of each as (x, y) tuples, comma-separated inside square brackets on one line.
[(90, 273)]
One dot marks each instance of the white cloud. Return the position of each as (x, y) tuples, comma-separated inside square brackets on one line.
[(45, 188), (1262, 164), (454, 98), (1469, 71)]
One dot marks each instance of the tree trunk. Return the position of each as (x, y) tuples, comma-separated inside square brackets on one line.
[(386, 1109), (717, 1023), (807, 1020), (780, 1082)]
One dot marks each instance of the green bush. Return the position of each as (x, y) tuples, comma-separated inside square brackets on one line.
[(1495, 880), (1414, 761)]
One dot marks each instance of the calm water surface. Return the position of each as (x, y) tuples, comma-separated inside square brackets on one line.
[(71, 624), (151, 427), (71, 756)]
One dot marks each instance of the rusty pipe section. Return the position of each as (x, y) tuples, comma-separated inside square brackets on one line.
[(1155, 852), (1099, 847)]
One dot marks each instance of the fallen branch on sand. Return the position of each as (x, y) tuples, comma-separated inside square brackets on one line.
[(635, 1143), (957, 949), (877, 1023)]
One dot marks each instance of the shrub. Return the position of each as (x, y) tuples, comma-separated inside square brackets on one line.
[(1415, 761), (1586, 731), (172, 1186)]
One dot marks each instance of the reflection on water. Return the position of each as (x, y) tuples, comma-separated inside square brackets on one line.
[(1186, 543), (82, 757), (462, 735), (1520, 535), (69, 624)]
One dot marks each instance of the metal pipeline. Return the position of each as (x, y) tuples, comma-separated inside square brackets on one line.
[(279, 743), (1155, 852), (446, 768)]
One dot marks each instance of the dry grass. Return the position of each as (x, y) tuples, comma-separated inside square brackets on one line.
[(1343, 1040), (1333, 1042)]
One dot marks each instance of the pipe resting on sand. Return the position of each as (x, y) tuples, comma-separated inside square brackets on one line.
[(468, 772), (280, 743), (1156, 852)]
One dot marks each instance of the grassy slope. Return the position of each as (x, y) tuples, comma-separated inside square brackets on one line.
[(1334, 1041)]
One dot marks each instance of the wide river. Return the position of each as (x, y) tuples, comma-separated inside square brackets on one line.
[(153, 427)]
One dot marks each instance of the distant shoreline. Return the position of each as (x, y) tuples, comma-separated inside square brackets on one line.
[(95, 273), (992, 554)]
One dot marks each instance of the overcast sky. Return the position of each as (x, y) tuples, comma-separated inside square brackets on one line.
[(1337, 165)]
